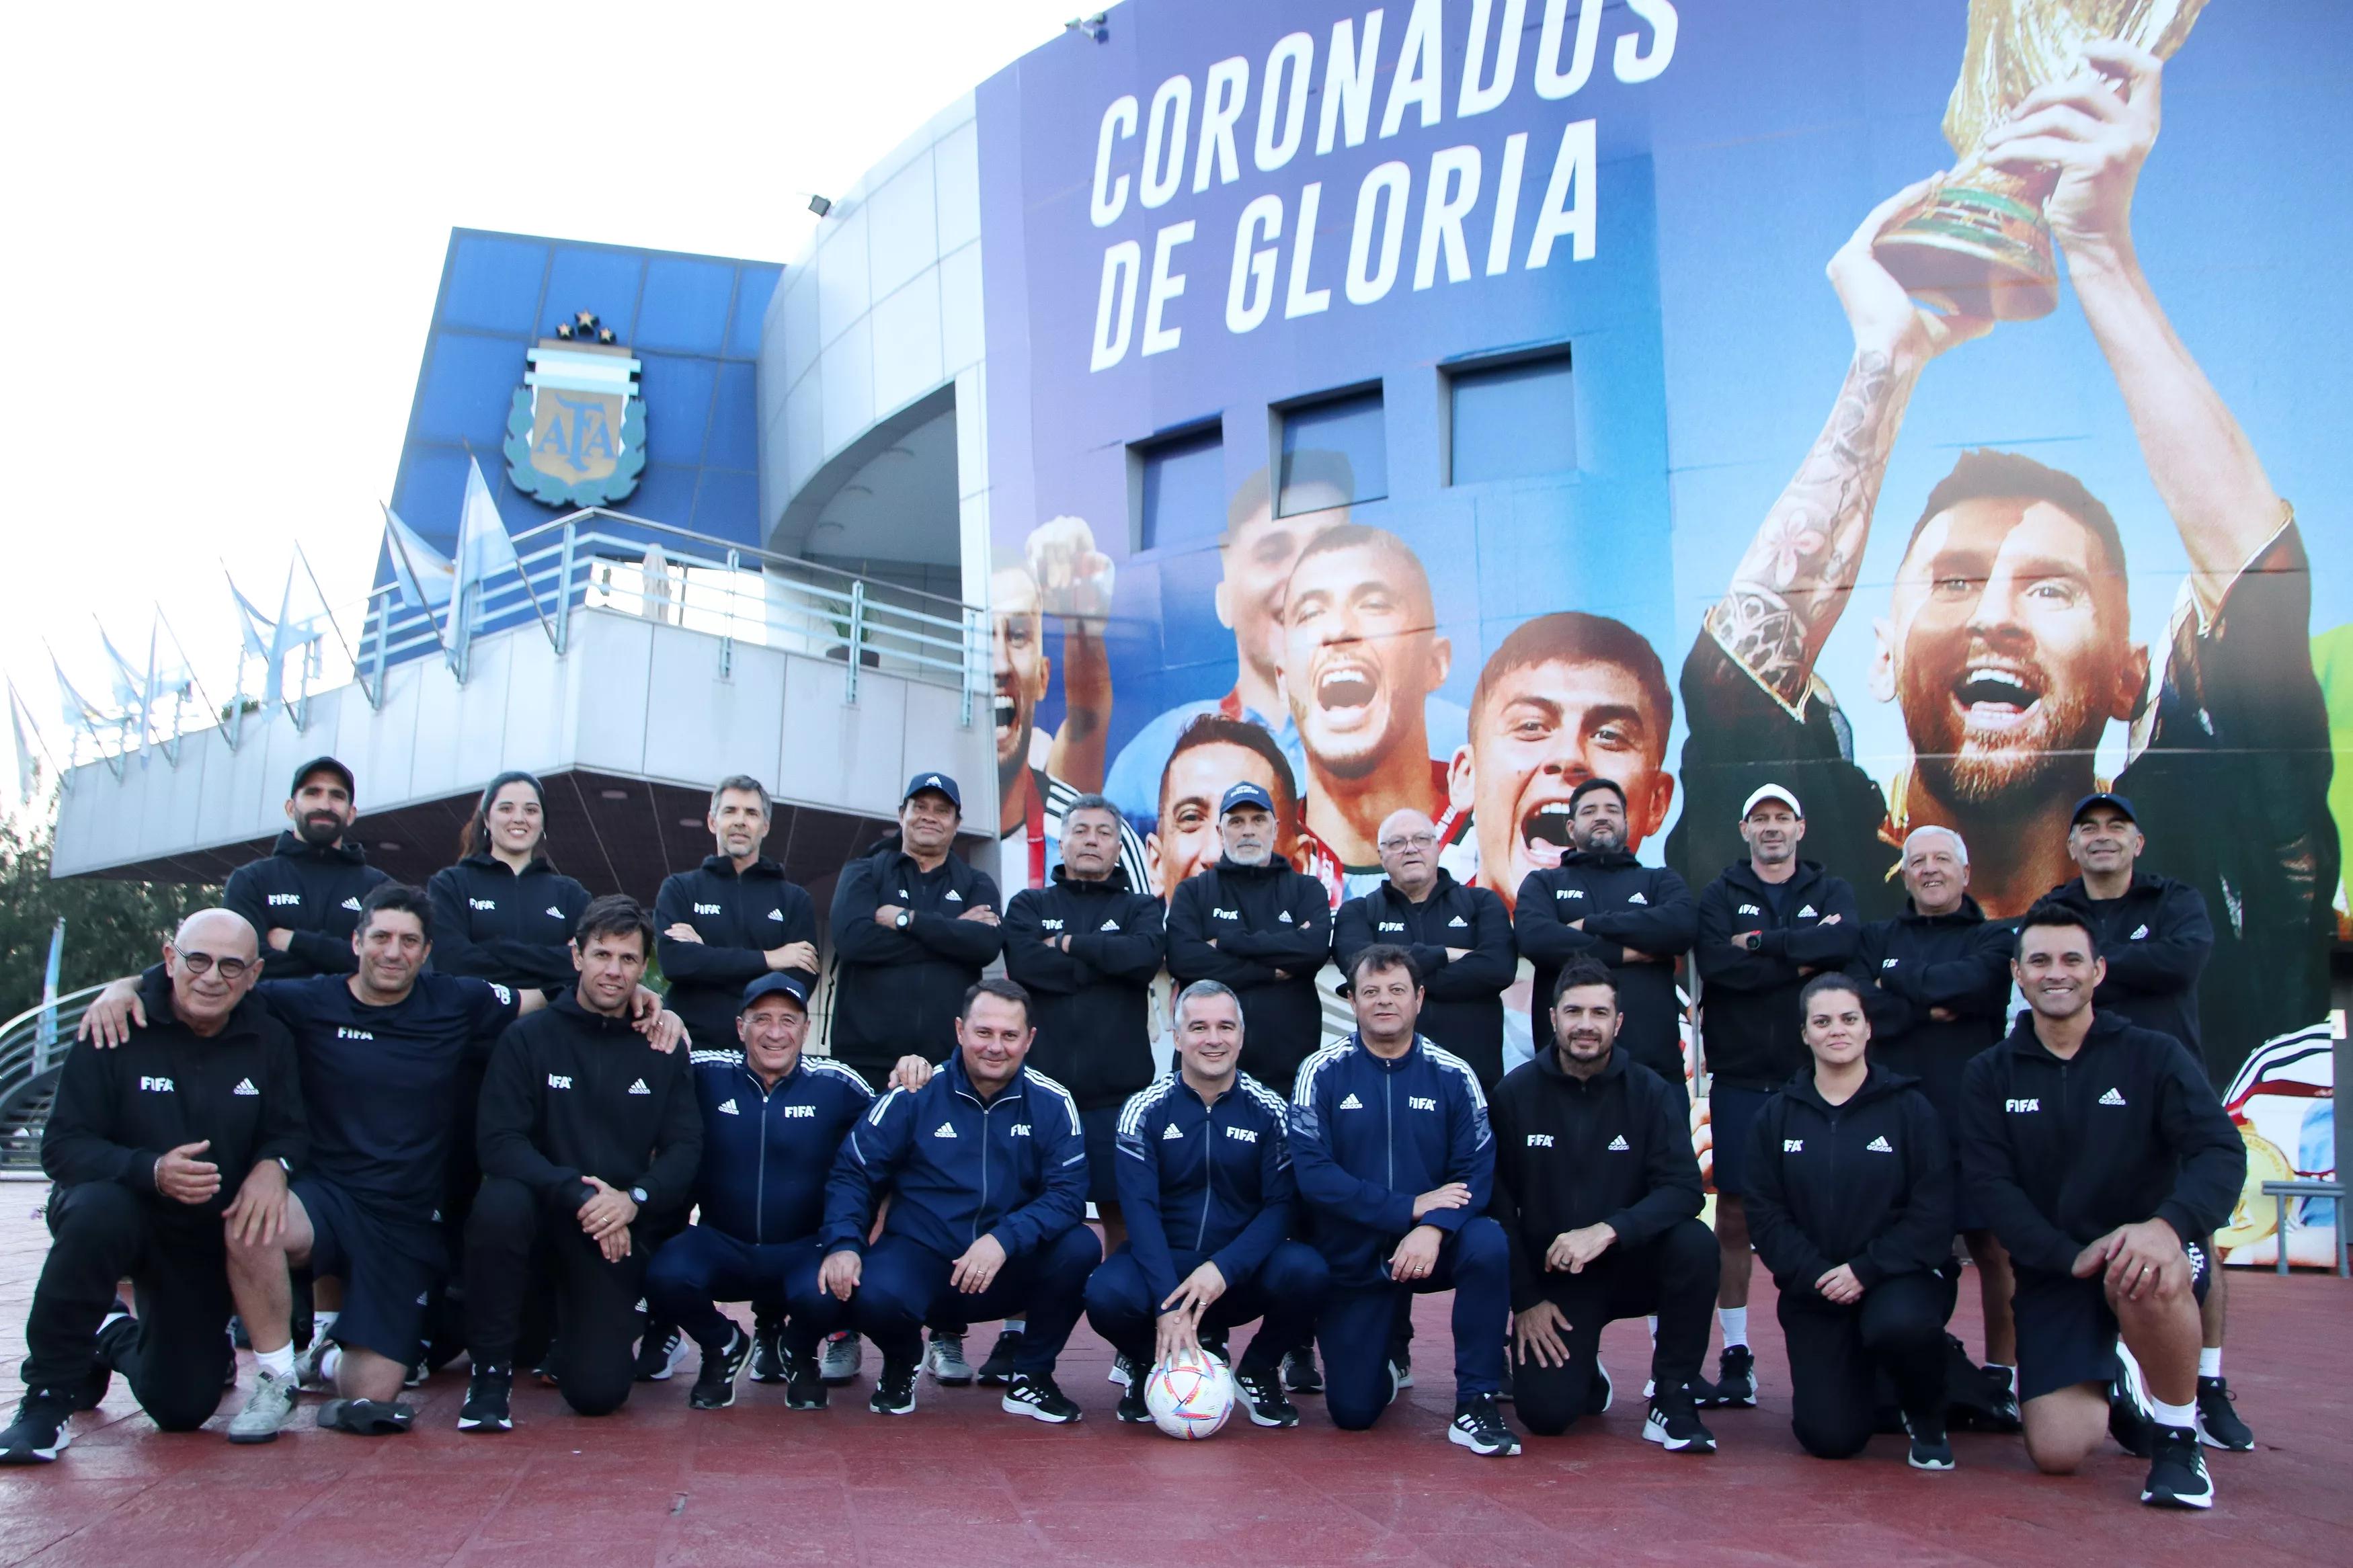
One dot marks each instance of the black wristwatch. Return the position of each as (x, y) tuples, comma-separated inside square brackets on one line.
[(638, 1196), (906, 919), (1753, 941)]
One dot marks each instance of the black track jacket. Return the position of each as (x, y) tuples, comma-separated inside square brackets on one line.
[(1624, 905), (1262, 919), (1916, 963), (739, 918), (2155, 941), (1748, 1009), (897, 993), (1093, 1003), (513, 927), (311, 891), (1462, 998), (1868, 1183)]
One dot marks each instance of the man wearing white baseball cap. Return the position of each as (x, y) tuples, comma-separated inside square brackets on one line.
[(1766, 924)]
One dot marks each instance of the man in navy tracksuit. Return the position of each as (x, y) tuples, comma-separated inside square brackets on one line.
[(1936, 984), (1460, 939), (773, 1119), (1253, 923), (2098, 1153), (304, 897), (1205, 1169), (986, 1171), (1765, 925), (1393, 1157), (1602, 904)]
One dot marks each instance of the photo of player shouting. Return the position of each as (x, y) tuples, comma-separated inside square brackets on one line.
[(2005, 641)]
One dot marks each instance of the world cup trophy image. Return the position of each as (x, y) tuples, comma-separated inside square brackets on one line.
[(1978, 244)]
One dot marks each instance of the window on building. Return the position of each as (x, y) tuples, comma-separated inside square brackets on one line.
[(1511, 419), (1180, 496), (1333, 444)]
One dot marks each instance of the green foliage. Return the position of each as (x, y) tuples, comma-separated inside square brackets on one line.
[(112, 927)]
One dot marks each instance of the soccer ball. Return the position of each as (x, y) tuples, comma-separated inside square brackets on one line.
[(1189, 1394)]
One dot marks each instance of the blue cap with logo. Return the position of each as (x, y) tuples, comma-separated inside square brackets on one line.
[(2103, 797), (1245, 794), (775, 983), (939, 783)]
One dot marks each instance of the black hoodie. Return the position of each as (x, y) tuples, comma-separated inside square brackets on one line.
[(1613, 1148), (1625, 906), (313, 890), (1748, 1008), (1093, 1003), (897, 993), (571, 1093), (513, 927), (1462, 998), (1914, 963), (739, 918), (2155, 940), (1868, 1183), (2058, 1153), (119, 1111), (1264, 919)]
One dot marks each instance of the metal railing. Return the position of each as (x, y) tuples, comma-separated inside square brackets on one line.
[(31, 1044), (593, 560)]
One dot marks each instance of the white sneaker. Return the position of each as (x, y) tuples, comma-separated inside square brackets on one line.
[(316, 1367), (840, 1359), (267, 1409), (944, 1359), (1122, 1372)]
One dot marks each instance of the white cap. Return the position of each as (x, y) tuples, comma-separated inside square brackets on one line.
[(1763, 793)]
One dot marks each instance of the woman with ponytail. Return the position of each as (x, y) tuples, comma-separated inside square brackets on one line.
[(503, 912)]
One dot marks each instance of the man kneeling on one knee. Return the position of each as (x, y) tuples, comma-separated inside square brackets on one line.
[(1599, 1191), (986, 1171)]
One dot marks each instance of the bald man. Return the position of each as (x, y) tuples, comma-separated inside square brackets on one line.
[(1458, 937), (187, 1133)]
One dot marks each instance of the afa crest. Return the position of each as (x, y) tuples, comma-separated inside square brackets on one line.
[(577, 436)]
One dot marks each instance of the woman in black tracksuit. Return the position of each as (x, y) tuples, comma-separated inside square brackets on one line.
[(1851, 1206)]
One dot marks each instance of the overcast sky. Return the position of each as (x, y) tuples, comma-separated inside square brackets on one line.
[(228, 225)]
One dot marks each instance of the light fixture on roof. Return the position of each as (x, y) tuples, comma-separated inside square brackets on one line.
[(1096, 27), (820, 205), (614, 793)]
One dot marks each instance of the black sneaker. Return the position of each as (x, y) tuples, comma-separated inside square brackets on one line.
[(805, 1386), (1215, 1344), (488, 1395), (1673, 1424), (544, 1371), (1736, 1378), (1401, 1367), (1041, 1400), (2002, 1414), (1122, 1372), (2130, 1419), (39, 1432), (1603, 1393), (768, 1352), (714, 1385), (1479, 1426), (2218, 1425), (1503, 1383), (997, 1370), (1299, 1372), (894, 1389), (659, 1353), (2177, 1471), (1132, 1409), (1932, 1449), (1262, 1392), (367, 1417)]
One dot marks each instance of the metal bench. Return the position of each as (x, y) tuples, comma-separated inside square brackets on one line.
[(2280, 1192)]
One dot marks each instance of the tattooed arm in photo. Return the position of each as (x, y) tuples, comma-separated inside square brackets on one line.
[(1788, 590)]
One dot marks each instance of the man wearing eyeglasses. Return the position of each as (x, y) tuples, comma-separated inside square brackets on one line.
[(161, 1149)]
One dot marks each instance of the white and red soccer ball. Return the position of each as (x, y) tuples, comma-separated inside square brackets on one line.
[(1191, 1395)]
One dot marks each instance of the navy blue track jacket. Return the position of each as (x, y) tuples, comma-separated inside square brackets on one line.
[(1369, 1135), (956, 1169), (1211, 1178), (766, 1153)]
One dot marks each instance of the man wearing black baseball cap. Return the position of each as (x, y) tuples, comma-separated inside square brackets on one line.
[(304, 897)]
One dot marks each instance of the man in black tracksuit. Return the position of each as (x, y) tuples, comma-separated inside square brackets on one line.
[(1598, 1194), (732, 919), (1087, 947), (589, 1142), (1851, 1202), (196, 1121), (1602, 904), (1253, 923), (914, 925), (1764, 925), (1460, 937), (304, 897), (2099, 1155)]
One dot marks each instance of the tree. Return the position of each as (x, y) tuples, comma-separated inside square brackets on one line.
[(112, 927)]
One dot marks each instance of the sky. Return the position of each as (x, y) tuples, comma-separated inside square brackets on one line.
[(229, 223)]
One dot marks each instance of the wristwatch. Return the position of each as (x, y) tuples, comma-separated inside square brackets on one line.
[(638, 1196), (906, 919), (285, 1164), (1753, 941)]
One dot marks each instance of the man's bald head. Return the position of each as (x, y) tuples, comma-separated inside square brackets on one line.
[(1408, 843), (213, 961), (218, 932)]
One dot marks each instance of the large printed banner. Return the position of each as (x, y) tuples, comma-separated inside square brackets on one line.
[(1937, 409)]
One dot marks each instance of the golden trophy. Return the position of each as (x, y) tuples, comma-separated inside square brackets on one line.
[(1978, 245)]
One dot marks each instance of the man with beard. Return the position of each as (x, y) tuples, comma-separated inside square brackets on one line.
[(1766, 924), (1936, 984), (1212, 755), (1361, 657), (2007, 642), (304, 899), (1601, 905), (1460, 939), (1069, 577)]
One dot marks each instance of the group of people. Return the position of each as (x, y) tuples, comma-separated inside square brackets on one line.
[(458, 1120)]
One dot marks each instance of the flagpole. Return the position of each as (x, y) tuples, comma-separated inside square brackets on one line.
[(194, 680), (401, 549), (522, 575), (353, 657)]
